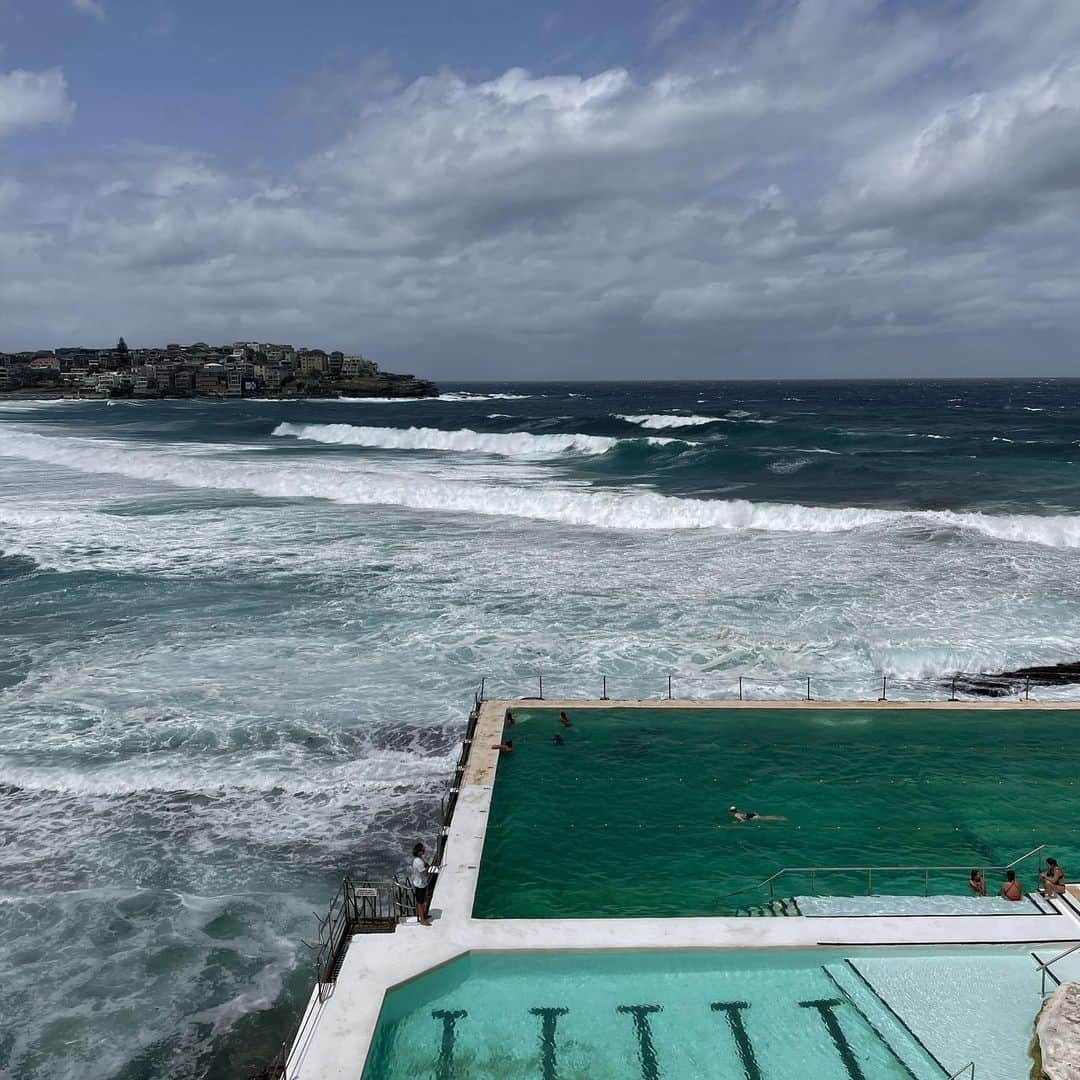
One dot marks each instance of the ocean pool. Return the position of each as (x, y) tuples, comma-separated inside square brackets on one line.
[(629, 815), (724, 1015)]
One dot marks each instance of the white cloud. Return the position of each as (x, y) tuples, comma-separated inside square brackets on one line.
[(30, 98), (840, 175), (90, 7)]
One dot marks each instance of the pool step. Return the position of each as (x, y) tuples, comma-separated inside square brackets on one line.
[(916, 1059), (773, 909), (1042, 904)]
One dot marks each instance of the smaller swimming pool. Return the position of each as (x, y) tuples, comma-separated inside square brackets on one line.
[(723, 1015)]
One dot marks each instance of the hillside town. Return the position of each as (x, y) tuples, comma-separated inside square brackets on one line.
[(243, 369)]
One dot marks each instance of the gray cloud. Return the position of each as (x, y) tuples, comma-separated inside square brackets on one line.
[(839, 188)]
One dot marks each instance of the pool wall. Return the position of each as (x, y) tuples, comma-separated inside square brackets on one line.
[(336, 1034)]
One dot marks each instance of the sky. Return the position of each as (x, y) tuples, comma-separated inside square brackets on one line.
[(612, 189)]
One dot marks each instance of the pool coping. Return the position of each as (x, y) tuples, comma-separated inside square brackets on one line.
[(336, 1034)]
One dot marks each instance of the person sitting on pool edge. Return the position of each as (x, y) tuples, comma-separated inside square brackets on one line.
[(976, 883), (1053, 881), (505, 747), (750, 815), (1011, 889)]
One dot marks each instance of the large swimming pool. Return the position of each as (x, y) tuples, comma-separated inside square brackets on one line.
[(628, 816), (735, 1015)]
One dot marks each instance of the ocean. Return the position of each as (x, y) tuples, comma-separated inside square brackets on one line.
[(239, 641)]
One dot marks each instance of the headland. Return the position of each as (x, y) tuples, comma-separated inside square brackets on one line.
[(242, 369)]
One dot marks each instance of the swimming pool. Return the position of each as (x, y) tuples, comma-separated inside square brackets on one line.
[(734, 1015), (628, 816)]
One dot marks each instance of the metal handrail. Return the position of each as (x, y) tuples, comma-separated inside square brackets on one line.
[(1045, 966), (813, 871), (969, 1068)]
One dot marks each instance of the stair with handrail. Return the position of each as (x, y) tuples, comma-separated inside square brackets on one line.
[(869, 871)]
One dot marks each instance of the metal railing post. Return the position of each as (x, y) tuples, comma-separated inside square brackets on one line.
[(953, 698), (740, 688), (481, 687), (808, 697), (1027, 689), (603, 694), (541, 687), (882, 698), (669, 687)]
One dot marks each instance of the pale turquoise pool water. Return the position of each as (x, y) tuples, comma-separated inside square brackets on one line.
[(629, 815), (724, 1015)]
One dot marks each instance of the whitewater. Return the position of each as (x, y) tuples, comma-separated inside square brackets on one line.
[(239, 640)]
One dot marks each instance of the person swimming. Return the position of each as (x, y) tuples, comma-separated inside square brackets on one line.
[(564, 719), (750, 815), (557, 740), (506, 747)]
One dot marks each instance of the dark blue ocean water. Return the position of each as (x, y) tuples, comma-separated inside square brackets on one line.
[(239, 639)]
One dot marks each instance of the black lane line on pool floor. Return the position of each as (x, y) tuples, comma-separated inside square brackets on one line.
[(870, 1023), (549, 1019), (747, 1056), (650, 1068), (449, 1018), (825, 1007)]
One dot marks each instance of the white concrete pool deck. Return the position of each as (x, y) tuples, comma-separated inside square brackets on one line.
[(335, 1035)]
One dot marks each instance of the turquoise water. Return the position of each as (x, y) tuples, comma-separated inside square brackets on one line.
[(629, 816), (746, 1015)]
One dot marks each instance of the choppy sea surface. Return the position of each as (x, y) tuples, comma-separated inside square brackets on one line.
[(238, 641)]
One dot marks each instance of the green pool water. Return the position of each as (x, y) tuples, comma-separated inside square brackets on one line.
[(736, 1015), (629, 817)]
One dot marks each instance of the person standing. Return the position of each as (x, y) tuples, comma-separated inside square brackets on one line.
[(418, 878)]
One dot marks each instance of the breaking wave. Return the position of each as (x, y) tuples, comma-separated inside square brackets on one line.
[(460, 396), (573, 506), (515, 444), (660, 421)]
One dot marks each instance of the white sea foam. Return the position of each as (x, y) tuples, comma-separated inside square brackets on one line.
[(515, 444), (456, 396), (600, 509), (660, 421)]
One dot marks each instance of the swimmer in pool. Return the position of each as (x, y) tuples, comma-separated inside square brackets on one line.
[(564, 719), (506, 747), (557, 739), (749, 815)]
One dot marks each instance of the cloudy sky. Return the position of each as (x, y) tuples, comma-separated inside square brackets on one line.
[(488, 188)]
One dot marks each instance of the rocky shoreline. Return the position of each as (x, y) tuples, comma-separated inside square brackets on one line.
[(379, 386), (1018, 680)]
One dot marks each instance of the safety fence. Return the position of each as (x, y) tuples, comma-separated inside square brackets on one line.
[(698, 686)]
